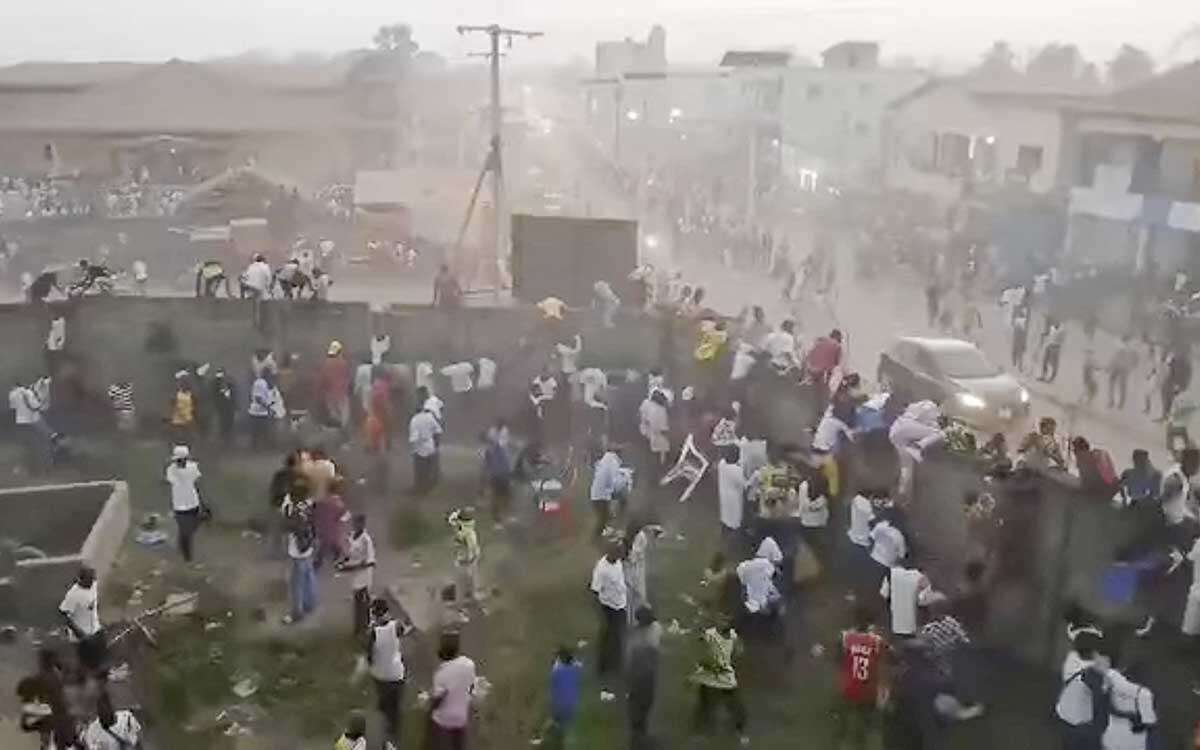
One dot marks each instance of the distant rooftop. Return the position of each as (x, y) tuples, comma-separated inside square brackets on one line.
[(756, 59)]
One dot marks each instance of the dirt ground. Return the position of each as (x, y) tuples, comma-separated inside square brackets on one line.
[(536, 571)]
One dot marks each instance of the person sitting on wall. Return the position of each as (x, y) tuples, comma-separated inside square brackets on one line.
[(210, 277)]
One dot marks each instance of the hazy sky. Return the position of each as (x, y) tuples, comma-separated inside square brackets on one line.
[(697, 30)]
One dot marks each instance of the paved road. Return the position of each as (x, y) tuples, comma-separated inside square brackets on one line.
[(873, 313)]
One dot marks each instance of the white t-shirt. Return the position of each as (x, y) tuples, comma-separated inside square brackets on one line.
[(830, 433), (82, 606), (902, 588), (887, 544), (125, 727), (781, 347), (1074, 704), (569, 356), (731, 491), (422, 429), (487, 374), (593, 380), (861, 514), (387, 664), (380, 346), (56, 339), (460, 376), (24, 404), (435, 406), (1194, 556), (361, 551), (423, 376), (1128, 698), (743, 362), (258, 276), (814, 511), (757, 577), (608, 583), (547, 386), (454, 679), (183, 480)]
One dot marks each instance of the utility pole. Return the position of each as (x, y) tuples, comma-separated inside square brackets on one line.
[(494, 161)]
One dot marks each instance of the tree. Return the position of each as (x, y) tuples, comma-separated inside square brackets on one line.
[(1130, 65), (999, 60), (396, 38), (1056, 62)]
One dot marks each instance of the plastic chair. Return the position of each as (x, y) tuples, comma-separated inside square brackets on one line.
[(691, 466)]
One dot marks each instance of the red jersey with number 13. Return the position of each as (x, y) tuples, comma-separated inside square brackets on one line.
[(861, 653)]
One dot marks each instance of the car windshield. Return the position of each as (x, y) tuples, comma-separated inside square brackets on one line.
[(964, 362)]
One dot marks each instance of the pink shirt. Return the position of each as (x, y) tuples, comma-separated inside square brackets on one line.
[(455, 679)]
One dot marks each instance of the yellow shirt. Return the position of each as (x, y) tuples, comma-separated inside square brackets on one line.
[(184, 411)]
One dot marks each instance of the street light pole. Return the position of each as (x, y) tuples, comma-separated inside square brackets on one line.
[(494, 160)]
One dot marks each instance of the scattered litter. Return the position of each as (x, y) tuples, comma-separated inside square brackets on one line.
[(210, 626), (416, 564), (119, 673), (287, 682), (674, 628), (536, 741), (150, 521), (180, 603), (246, 687), (423, 697), (581, 643), (607, 697), (680, 538), (817, 650), (483, 686), (236, 730), (688, 599), (151, 537), (252, 535)]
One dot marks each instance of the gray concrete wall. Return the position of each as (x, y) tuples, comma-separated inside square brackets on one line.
[(107, 338), (72, 524)]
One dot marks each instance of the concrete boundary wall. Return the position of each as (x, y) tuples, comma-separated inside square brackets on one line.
[(37, 585)]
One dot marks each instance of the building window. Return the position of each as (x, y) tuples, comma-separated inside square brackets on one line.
[(1029, 159), (814, 91)]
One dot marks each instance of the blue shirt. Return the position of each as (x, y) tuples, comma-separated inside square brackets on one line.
[(565, 683)]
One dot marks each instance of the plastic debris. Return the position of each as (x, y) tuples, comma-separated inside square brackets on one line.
[(180, 603), (252, 535), (246, 686), (607, 697), (483, 686), (817, 650), (674, 628), (151, 537), (119, 673)]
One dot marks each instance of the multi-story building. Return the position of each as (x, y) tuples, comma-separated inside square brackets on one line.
[(831, 115)]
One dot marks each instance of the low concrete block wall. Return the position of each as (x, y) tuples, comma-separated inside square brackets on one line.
[(72, 524)]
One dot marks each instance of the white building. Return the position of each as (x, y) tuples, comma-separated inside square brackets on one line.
[(955, 137), (831, 116), (1134, 176)]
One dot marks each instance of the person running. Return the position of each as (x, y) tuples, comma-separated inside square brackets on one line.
[(301, 546), (80, 609), (1081, 694), (386, 665), (642, 669), (466, 552), (360, 564), (424, 429), (862, 651), (1056, 333), (450, 697), (183, 475), (612, 595), (566, 681), (716, 680), (112, 729)]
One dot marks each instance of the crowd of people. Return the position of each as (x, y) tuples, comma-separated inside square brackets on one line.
[(837, 507)]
